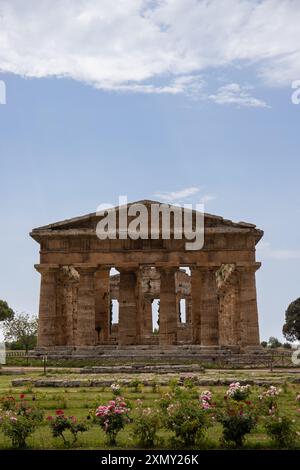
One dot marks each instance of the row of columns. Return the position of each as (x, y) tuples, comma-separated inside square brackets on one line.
[(75, 309)]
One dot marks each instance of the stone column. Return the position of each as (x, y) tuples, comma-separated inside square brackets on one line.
[(47, 325), (229, 315), (127, 328), (205, 306), (168, 312), (249, 329), (102, 296), (85, 327), (69, 280)]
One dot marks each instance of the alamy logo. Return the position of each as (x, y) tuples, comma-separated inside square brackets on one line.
[(2, 353), (152, 221), (2, 92), (296, 94), (296, 356)]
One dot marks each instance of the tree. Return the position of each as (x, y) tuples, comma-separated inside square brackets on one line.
[(264, 344), (5, 311), (291, 328), (274, 343), (21, 329)]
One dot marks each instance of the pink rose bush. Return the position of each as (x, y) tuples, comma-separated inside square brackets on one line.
[(238, 419), (113, 417), (146, 424), (206, 400), (268, 399), (187, 419), (116, 389), (238, 392), (18, 420)]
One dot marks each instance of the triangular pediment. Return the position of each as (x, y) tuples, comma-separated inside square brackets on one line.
[(89, 222)]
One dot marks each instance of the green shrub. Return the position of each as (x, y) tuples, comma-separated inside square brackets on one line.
[(60, 424), (281, 429), (19, 419), (146, 425), (17, 427), (238, 419), (187, 420)]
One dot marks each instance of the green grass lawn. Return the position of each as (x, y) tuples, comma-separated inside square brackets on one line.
[(81, 401)]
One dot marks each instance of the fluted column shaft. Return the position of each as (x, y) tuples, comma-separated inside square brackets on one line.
[(47, 323), (247, 301), (85, 328), (168, 311), (205, 307), (127, 329)]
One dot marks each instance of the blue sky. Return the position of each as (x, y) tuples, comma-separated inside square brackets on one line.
[(69, 144)]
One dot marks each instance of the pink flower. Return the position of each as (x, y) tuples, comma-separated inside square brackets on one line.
[(59, 412), (22, 396), (49, 418)]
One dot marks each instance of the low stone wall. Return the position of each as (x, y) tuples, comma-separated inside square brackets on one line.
[(160, 380)]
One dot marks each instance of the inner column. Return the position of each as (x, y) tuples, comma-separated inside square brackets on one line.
[(102, 295)]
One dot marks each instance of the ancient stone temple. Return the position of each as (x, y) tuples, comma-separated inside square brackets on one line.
[(205, 297)]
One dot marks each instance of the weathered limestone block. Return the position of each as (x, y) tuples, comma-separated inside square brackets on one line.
[(168, 315)]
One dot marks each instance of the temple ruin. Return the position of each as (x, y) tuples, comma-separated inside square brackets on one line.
[(204, 298)]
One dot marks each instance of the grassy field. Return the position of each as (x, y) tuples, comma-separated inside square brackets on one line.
[(81, 401)]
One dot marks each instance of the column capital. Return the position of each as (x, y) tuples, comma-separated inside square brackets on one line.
[(46, 268), (70, 273), (127, 269), (103, 267), (83, 268), (249, 267)]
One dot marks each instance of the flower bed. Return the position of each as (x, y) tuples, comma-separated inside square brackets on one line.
[(177, 415)]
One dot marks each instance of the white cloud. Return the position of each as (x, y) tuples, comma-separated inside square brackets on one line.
[(266, 251), (174, 196), (183, 195), (189, 84), (207, 198), (233, 93), (130, 45)]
